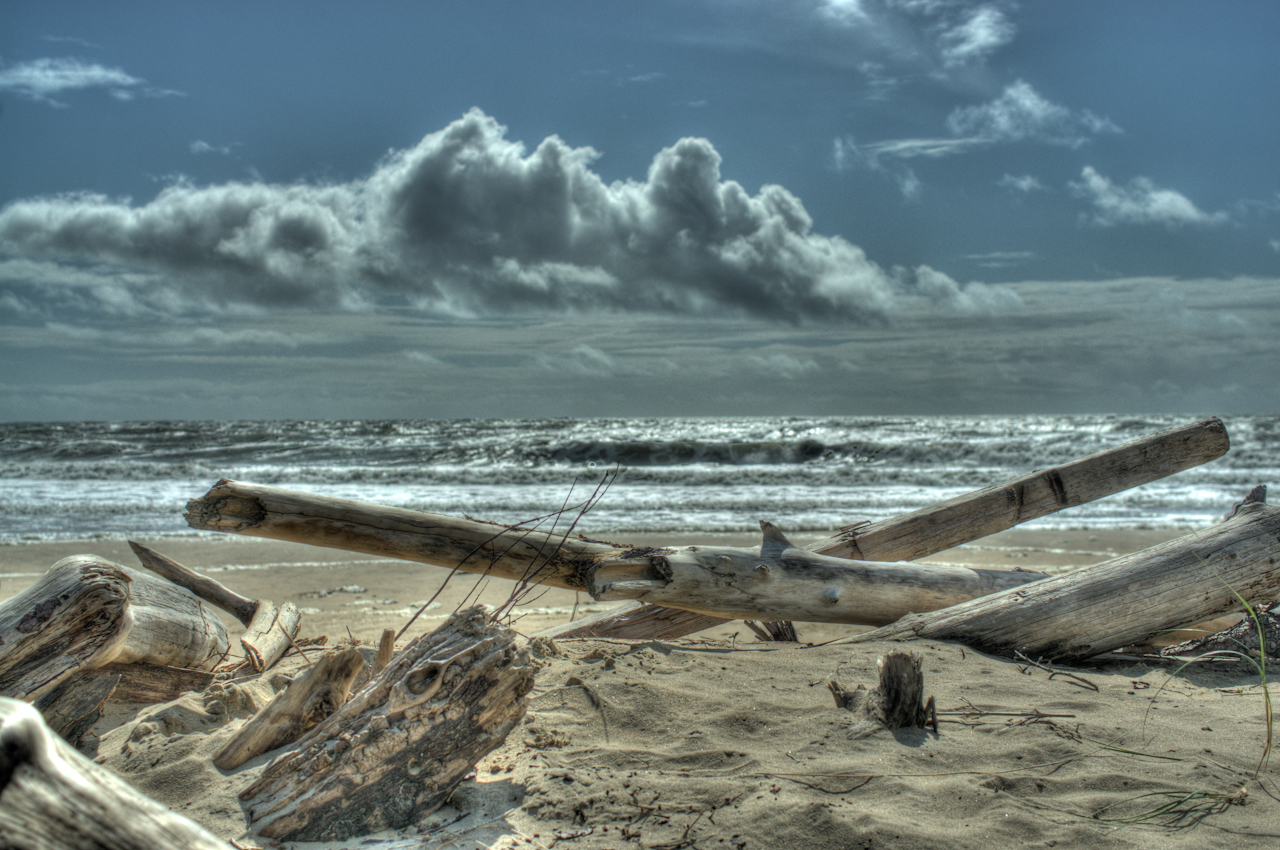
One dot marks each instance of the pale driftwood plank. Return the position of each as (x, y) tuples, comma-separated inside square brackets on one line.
[(206, 588), (635, 621), (1002, 506), (1119, 602), (56, 799)]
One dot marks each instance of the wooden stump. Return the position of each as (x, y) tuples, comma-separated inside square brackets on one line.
[(399, 747), (87, 611), (896, 702), (53, 798)]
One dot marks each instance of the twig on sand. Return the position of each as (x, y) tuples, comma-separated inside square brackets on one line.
[(1049, 668)]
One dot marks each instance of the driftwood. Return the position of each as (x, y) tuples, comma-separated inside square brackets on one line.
[(778, 581), (895, 703), (1000, 507), (1119, 602), (400, 745), (270, 628), (634, 621), (56, 799), (968, 517), (314, 694), (386, 651), (87, 611)]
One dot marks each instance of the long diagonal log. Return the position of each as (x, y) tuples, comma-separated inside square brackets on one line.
[(962, 519), (777, 581), (1119, 602), (1002, 506)]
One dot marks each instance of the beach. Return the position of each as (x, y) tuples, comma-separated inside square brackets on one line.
[(720, 740)]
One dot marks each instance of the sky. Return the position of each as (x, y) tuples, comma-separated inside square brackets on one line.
[(319, 210)]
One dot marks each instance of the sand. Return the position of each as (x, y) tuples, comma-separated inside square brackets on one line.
[(719, 741)]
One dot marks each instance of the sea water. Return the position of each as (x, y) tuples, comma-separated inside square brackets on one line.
[(61, 480)]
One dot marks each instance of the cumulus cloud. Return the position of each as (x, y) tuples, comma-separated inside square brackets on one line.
[(978, 33), (1138, 202), (468, 222), (42, 79), (974, 299), (1022, 183), (1020, 113)]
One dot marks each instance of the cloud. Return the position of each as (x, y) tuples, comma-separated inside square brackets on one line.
[(1002, 259), (786, 366), (1020, 113), (582, 359), (41, 79), (1140, 202), (974, 299), (196, 337), (1275, 245), (201, 147), (943, 34), (467, 222), (977, 34), (1025, 183)]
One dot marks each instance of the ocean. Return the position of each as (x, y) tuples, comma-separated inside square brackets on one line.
[(61, 480)]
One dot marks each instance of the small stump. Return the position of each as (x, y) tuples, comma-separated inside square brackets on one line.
[(897, 702)]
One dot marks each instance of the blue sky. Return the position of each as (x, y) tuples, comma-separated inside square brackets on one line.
[(247, 210)]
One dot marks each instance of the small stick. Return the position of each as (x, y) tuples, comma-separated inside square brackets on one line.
[(202, 586)]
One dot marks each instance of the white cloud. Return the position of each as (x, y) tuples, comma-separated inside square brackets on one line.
[(1022, 183), (1020, 113), (41, 79), (1001, 259), (972, 299), (196, 337), (1140, 202), (201, 147), (424, 358), (980, 32), (466, 222), (1275, 245)]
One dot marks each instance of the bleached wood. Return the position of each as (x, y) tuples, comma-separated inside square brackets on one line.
[(1119, 602), (56, 799), (964, 518), (777, 581), (398, 748), (386, 651), (87, 611), (1002, 506), (314, 694), (270, 633), (206, 588)]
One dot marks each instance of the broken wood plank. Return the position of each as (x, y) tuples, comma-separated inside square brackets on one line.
[(314, 694), (396, 750), (1119, 602), (56, 799), (635, 621), (87, 611)]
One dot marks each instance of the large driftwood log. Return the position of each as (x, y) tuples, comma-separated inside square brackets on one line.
[(399, 747), (314, 694), (53, 798), (270, 628), (1002, 506), (87, 611), (778, 581), (1119, 602)]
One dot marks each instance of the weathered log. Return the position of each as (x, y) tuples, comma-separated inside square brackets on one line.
[(1002, 506), (399, 746), (76, 704), (967, 517), (271, 628), (1118, 602), (778, 581), (314, 694), (87, 611), (53, 798)]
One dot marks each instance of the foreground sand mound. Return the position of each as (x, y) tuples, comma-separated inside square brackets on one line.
[(708, 744)]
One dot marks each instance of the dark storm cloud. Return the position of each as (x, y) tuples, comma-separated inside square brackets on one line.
[(470, 223)]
